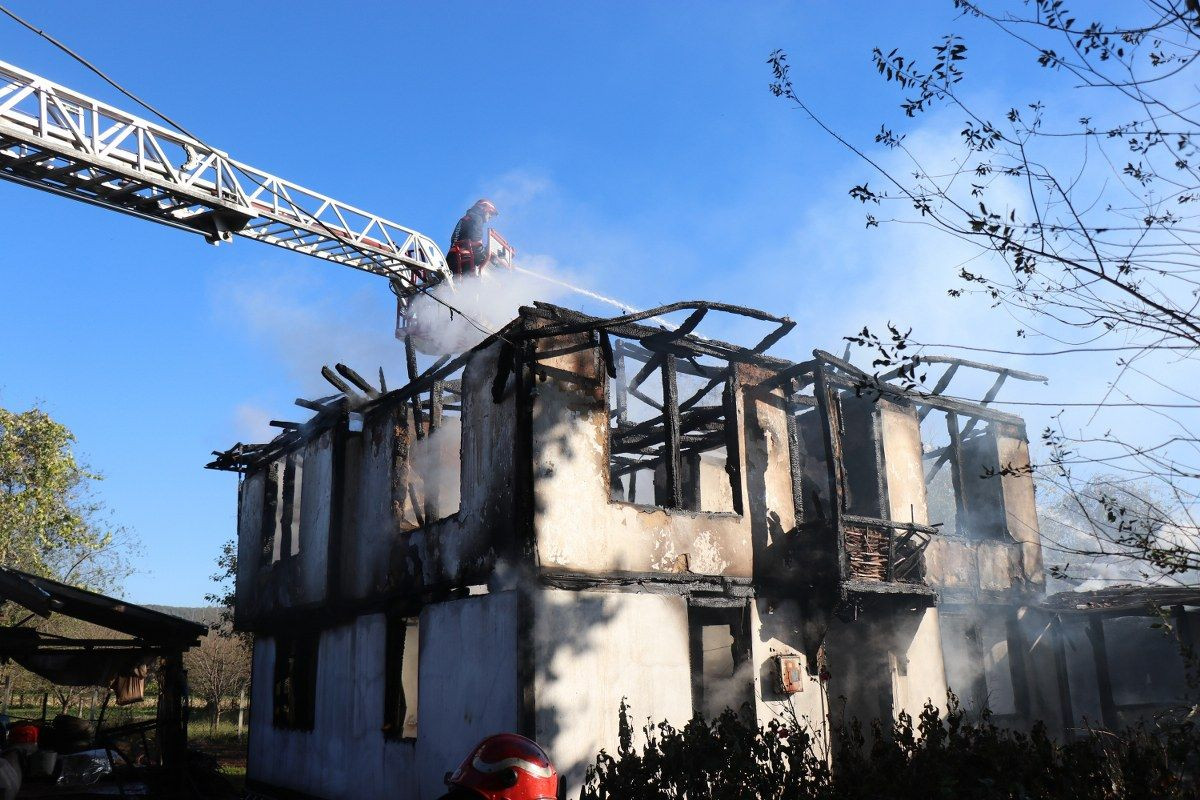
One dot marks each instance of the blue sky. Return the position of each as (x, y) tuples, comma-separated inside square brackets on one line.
[(633, 147)]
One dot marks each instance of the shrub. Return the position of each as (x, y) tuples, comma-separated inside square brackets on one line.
[(932, 758)]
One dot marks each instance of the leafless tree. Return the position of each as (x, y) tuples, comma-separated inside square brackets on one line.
[(1086, 232), (219, 669)]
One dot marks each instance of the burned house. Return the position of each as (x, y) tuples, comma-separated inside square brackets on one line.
[(582, 510)]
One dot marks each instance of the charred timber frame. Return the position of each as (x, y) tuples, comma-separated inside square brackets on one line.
[(680, 423)]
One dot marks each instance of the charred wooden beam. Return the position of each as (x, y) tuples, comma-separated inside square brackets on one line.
[(957, 479), (358, 380), (673, 462), (312, 405), (690, 367), (1108, 707), (574, 321), (650, 401), (830, 417), (410, 361), (785, 327), (618, 390), (1011, 373), (938, 388), (795, 462), (691, 420), (337, 382), (504, 368), (606, 353), (733, 452), (646, 443), (286, 425)]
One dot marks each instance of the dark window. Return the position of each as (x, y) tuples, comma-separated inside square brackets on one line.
[(862, 456), (289, 506), (811, 464), (295, 688), (720, 656), (270, 512), (400, 678), (962, 480), (672, 442)]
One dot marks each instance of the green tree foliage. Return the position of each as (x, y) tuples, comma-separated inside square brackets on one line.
[(936, 756), (225, 578), (50, 523)]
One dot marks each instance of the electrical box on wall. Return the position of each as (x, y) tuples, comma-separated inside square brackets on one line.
[(790, 673)]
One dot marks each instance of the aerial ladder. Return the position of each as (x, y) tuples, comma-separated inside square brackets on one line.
[(61, 141)]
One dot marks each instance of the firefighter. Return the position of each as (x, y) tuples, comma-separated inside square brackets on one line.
[(468, 250), (505, 766)]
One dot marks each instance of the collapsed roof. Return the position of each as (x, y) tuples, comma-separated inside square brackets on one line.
[(428, 391)]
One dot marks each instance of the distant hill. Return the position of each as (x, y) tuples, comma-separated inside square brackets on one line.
[(205, 615)]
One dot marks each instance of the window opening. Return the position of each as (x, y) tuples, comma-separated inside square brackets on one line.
[(269, 512), (942, 468), (430, 458), (295, 685), (721, 665), (862, 457), (289, 505), (401, 661), (670, 431), (813, 471), (982, 490)]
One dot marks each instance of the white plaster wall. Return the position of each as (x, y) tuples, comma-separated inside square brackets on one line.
[(1020, 506), (591, 650), (903, 467), (570, 469), (467, 685), (463, 539), (926, 678), (776, 629), (468, 681), (346, 754), (997, 664)]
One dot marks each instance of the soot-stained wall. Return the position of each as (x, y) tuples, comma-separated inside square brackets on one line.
[(462, 698)]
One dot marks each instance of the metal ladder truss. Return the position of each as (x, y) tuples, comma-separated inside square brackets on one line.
[(58, 140)]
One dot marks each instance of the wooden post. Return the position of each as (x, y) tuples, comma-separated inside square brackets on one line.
[(1108, 708), (1059, 639), (8, 687), (410, 360), (1018, 649), (241, 710), (172, 719), (957, 480), (671, 456), (1183, 627)]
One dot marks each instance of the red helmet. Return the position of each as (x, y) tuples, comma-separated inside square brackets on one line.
[(507, 766), (487, 207)]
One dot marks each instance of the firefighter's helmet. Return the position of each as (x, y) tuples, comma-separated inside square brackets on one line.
[(506, 766), (487, 207)]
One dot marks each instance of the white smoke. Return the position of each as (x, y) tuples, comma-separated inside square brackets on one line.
[(461, 315)]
